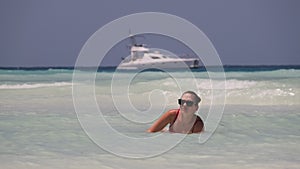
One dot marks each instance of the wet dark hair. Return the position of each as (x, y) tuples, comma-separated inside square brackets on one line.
[(197, 99)]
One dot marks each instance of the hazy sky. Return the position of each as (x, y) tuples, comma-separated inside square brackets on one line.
[(244, 32)]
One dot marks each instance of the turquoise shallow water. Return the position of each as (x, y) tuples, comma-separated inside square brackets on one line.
[(39, 126)]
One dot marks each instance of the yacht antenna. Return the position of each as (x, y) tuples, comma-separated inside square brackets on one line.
[(132, 38)]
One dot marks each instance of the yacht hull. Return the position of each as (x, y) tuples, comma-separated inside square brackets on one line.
[(178, 64)]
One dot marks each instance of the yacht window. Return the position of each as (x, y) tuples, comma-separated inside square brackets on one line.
[(155, 57)]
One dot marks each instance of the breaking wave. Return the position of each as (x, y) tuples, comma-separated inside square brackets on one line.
[(32, 86)]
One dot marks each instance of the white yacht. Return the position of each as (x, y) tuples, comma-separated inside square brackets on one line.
[(142, 57)]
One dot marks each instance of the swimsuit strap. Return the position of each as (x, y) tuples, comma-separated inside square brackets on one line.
[(177, 112), (197, 119)]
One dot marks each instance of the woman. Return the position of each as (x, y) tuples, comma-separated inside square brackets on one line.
[(182, 120)]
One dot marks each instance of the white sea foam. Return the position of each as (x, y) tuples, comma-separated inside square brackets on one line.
[(229, 84), (32, 86), (239, 87)]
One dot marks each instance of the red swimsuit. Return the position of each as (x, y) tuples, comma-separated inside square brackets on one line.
[(192, 129)]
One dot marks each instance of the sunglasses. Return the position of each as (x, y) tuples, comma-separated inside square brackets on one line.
[(188, 102)]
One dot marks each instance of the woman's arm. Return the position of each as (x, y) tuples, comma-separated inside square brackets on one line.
[(163, 121)]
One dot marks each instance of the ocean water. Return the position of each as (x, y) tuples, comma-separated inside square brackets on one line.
[(43, 111)]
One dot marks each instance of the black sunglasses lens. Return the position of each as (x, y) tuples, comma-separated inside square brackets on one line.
[(188, 103), (179, 101)]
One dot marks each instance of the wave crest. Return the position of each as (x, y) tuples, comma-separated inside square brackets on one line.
[(32, 86)]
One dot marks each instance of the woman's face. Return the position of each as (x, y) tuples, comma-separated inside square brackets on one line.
[(184, 107)]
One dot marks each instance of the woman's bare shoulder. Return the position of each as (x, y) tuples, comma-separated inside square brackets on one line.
[(173, 111), (172, 114)]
